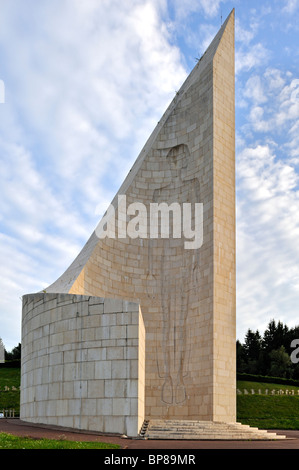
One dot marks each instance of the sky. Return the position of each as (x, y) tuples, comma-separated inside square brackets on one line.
[(82, 86)]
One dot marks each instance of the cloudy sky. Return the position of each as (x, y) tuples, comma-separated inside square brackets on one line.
[(82, 86)]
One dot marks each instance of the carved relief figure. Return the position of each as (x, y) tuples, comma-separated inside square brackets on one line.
[(177, 275)]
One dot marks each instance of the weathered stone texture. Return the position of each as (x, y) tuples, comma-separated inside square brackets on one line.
[(187, 296), (82, 365)]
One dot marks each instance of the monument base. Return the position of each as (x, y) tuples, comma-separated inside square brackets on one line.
[(203, 430)]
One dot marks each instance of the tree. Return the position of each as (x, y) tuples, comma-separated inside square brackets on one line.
[(269, 355), (15, 354), (275, 336), (280, 363), (252, 349), (241, 358)]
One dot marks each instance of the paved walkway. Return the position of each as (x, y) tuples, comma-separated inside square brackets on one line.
[(21, 428)]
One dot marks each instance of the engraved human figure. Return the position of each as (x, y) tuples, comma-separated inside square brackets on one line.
[(176, 277)]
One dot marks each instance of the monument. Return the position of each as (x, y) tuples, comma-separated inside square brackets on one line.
[(141, 326)]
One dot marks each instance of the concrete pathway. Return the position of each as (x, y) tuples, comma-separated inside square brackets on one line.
[(21, 428)]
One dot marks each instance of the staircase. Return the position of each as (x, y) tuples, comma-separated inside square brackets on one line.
[(203, 430)]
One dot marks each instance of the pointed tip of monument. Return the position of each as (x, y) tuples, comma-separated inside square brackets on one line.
[(230, 15), (211, 50)]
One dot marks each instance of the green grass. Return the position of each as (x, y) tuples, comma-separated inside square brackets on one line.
[(10, 377), (268, 411), (9, 441), (263, 386)]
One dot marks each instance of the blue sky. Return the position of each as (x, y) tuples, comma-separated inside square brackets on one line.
[(85, 84)]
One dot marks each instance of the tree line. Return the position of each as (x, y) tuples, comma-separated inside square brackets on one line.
[(14, 354), (269, 354)]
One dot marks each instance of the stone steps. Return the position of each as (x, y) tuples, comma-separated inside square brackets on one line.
[(203, 430)]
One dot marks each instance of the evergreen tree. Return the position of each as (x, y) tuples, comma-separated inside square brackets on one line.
[(241, 358), (15, 354), (252, 349), (280, 363), (252, 345), (274, 336), (270, 354)]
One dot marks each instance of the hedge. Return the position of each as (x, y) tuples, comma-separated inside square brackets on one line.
[(13, 364), (267, 379)]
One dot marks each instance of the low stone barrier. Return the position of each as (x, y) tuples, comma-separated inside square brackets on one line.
[(10, 413), (10, 389), (267, 392)]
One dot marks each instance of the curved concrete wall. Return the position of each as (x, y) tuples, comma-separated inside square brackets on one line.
[(186, 294), (82, 363)]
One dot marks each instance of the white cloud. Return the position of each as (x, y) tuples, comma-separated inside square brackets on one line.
[(268, 199), (88, 80), (254, 90), (85, 77), (274, 79), (204, 37), (273, 102), (184, 8), (267, 234), (292, 146), (244, 35), (248, 59), (290, 6), (257, 120), (210, 8)]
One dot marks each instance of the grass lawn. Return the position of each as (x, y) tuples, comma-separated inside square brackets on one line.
[(263, 386), (10, 377), (268, 411), (9, 441)]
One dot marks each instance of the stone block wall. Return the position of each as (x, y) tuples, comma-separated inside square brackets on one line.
[(187, 295), (83, 363), (224, 238)]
